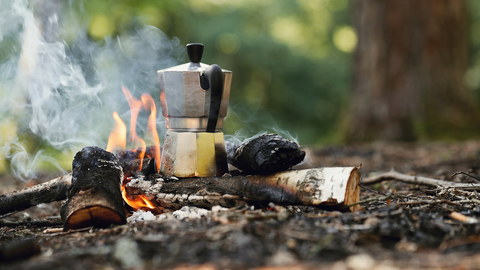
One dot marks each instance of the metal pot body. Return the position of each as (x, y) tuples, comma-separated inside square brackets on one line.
[(185, 104)]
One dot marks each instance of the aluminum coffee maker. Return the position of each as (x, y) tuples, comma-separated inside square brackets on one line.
[(194, 98)]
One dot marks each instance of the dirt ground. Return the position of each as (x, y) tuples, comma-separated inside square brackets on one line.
[(400, 226)]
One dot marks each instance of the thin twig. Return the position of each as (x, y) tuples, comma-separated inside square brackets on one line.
[(429, 202), (371, 190), (68, 232), (467, 174), (419, 180), (375, 199)]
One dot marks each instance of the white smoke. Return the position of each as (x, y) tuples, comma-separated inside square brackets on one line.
[(65, 93)]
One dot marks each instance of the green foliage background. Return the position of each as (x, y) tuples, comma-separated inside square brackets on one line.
[(288, 73), (291, 59)]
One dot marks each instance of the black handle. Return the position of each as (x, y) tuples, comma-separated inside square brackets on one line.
[(214, 75), (195, 52)]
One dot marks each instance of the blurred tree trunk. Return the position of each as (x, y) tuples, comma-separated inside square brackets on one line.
[(408, 76)]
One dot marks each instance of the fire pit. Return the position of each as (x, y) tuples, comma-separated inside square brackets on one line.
[(187, 178)]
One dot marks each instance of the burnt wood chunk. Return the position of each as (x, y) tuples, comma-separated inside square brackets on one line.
[(131, 164), (266, 154), (94, 197)]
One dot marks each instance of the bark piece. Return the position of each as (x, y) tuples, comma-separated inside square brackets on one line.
[(266, 154), (94, 197)]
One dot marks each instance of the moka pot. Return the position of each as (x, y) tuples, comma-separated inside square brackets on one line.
[(194, 98)]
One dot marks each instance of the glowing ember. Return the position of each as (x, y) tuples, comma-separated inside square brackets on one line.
[(118, 141), (138, 201)]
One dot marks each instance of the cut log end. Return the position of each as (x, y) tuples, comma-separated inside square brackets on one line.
[(97, 216), (352, 194), (92, 207)]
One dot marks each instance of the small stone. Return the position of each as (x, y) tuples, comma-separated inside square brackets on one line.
[(282, 258), (360, 262), (128, 246)]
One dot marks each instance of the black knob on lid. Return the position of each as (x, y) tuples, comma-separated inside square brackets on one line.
[(195, 52)]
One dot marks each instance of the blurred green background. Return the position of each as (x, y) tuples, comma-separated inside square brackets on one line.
[(291, 60)]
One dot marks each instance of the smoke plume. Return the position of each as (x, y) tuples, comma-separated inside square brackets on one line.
[(64, 92)]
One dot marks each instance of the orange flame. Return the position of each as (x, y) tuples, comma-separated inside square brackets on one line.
[(148, 103), (118, 140), (118, 137), (135, 106), (139, 201)]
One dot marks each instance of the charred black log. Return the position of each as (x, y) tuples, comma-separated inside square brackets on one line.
[(132, 164), (266, 154), (53, 190), (144, 166), (94, 197)]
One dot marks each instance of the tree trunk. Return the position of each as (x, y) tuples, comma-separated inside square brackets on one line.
[(409, 67)]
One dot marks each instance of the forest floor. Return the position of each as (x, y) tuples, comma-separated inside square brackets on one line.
[(403, 226)]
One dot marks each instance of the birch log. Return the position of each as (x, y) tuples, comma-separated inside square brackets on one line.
[(331, 188)]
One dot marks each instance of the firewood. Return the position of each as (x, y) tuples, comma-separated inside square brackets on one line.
[(331, 188), (324, 187), (94, 197), (266, 154), (53, 190), (131, 163)]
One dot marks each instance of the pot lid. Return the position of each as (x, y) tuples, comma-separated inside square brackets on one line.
[(195, 52)]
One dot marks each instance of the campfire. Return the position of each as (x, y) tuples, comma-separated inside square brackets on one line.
[(138, 154), (192, 169)]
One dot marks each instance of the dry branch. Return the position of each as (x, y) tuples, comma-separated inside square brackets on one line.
[(418, 180), (53, 190)]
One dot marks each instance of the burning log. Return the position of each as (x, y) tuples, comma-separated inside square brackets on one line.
[(266, 154), (94, 197), (323, 187), (331, 188)]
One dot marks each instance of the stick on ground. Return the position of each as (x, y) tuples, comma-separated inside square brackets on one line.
[(419, 180), (53, 190)]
